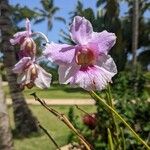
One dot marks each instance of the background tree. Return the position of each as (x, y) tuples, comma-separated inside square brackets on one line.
[(47, 13), (135, 29), (143, 30), (6, 142), (113, 23), (25, 122)]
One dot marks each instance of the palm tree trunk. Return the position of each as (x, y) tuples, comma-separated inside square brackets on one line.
[(135, 28), (25, 122), (6, 142)]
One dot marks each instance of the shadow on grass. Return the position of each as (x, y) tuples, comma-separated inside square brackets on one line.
[(67, 88), (17, 135), (74, 90), (64, 88)]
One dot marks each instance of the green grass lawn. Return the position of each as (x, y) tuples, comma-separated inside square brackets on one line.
[(56, 128), (56, 91)]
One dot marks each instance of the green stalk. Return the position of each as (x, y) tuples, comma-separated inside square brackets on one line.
[(110, 102), (123, 140), (119, 117), (110, 141)]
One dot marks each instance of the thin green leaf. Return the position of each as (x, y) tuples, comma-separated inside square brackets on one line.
[(110, 141), (123, 140)]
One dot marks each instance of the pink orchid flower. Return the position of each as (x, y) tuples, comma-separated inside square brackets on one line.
[(24, 39), (30, 74), (19, 36), (87, 64)]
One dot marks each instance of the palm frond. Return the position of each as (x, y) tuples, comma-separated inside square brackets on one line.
[(39, 20), (60, 19)]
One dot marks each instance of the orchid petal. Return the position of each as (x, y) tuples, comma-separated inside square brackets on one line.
[(81, 30), (83, 79), (21, 65), (21, 78), (23, 53), (21, 35), (66, 73), (25, 76), (43, 79), (17, 37), (28, 74), (28, 26), (59, 53), (92, 78), (102, 42), (107, 63)]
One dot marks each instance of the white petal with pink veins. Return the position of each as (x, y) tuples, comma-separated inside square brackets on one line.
[(17, 37), (92, 78), (81, 30), (66, 73), (59, 53), (21, 65), (43, 79), (107, 62), (102, 41)]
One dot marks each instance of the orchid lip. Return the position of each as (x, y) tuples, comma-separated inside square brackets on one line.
[(85, 57)]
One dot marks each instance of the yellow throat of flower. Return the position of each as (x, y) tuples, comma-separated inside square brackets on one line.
[(85, 58)]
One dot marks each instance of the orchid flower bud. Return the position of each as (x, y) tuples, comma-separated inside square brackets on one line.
[(90, 120)]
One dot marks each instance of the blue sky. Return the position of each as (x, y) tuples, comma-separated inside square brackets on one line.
[(65, 6)]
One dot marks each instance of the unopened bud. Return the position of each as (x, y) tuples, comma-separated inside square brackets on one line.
[(90, 120)]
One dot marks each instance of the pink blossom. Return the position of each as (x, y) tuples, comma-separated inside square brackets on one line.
[(19, 36), (30, 74), (24, 39), (87, 64)]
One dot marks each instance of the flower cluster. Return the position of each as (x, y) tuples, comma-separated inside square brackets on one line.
[(86, 64), (29, 72)]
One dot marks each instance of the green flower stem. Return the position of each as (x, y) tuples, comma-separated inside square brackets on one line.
[(123, 140), (110, 141), (125, 123), (110, 102)]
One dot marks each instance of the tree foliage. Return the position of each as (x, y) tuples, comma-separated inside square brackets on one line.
[(47, 13)]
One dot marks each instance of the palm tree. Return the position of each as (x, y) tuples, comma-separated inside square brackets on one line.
[(135, 28), (6, 142), (48, 13), (25, 122)]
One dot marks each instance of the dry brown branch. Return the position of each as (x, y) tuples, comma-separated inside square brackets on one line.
[(64, 119)]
